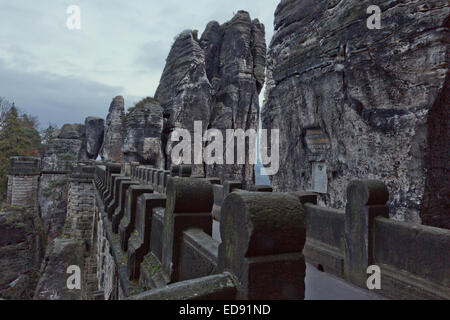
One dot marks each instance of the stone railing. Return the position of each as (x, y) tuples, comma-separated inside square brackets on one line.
[(158, 229), (414, 259), (163, 246), (149, 235)]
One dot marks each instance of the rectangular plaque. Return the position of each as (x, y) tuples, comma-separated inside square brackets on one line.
[(317, 141), (319, 177)]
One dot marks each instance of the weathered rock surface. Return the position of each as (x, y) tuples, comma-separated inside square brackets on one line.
[(21, 251), (235, 56), (69, 144), (72, 131), (184, 91), (216, 80), (95, 130), (61, 253), (142, 129), (53, 193), (366, 103), (112, 143), (58, 163)]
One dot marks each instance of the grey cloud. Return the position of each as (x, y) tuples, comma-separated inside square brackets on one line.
[(54, 98), (121, 49), (152, 56)]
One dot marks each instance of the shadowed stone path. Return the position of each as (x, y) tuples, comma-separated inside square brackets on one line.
[(324, 286)]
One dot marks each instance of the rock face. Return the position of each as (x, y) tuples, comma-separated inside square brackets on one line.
[(142, 128), (70, 141), (112, 142), (53, 190), (357, 103), (236, 59), (21, 252), (83, 142), (216, 80), (95, 130), (61, 253), (184, 91)]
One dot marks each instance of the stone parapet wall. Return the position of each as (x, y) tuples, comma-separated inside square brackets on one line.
[(413, 258), (174, 243), (157, 244)]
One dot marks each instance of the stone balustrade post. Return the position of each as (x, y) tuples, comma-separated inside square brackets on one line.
[(189, 205), (139, 243), (366, 200), (127, 224), (263, 236)]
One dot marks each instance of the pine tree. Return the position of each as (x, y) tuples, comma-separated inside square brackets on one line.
[(14, 141)]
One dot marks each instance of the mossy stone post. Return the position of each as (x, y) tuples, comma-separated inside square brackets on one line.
[(263, 235), (215, 181), (111, 168), (261, 188), (166, 179), (110, 192), (114, 203), (155, 179), (140, 173), (99, 178), (120, 211), (230, 186), (126, 169), (366, 200), (148, 176), (133, 169), (126, 226), (189, 205), (139, 243), (185, 171)]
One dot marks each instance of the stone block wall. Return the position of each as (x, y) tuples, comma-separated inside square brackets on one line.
[(23, 191), (80, 210), (23, 182), (22, 245)]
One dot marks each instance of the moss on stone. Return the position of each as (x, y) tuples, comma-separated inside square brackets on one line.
[(67, 156), (53, 185)]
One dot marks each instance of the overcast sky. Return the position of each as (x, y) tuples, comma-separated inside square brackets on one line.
[(63, 76)]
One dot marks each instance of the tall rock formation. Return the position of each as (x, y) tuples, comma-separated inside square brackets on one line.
[(69, 144), (216, 80), (357, 103), (184, 91), (235, 64), (22, 247), (142, 128), (112, 143), (95, 130)]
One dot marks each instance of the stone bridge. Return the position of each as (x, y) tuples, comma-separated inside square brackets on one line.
[(141, 233)]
